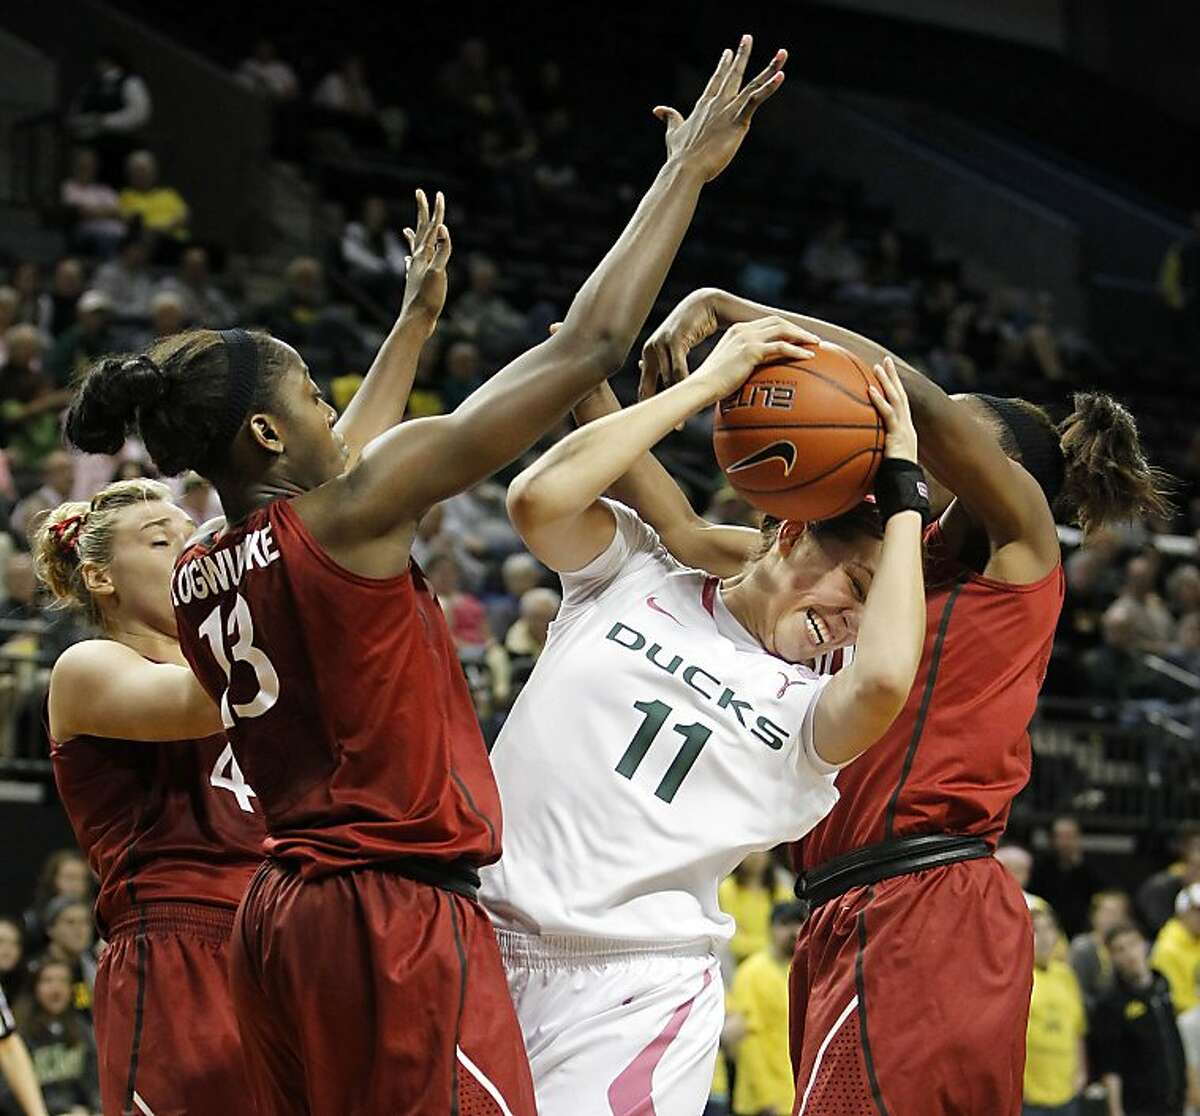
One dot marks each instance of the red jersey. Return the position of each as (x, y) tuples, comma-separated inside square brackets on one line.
[(344, 698), (160, 822), (958, 753)]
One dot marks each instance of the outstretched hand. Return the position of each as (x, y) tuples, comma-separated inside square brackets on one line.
[(710, 137), (891, 401), (429, 245)]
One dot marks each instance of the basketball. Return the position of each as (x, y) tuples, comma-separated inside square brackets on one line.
[(801, 440)]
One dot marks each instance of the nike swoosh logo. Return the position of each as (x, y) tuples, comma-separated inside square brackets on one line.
[(782, 450), (656, 607)]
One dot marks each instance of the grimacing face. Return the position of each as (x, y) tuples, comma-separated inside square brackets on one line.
[(815, 593)]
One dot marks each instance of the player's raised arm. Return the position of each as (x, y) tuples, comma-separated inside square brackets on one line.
[(422, 462), (858, 706), (379, 403), (555, 503), (647, 487)]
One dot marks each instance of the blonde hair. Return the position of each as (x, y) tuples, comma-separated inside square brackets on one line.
[(78, 533)]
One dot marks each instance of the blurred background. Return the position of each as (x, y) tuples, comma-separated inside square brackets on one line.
[(1005, 192)]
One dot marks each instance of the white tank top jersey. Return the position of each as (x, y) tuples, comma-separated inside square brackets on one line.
[(655, 745)]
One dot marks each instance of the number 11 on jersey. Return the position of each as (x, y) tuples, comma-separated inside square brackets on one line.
[(655, 714)]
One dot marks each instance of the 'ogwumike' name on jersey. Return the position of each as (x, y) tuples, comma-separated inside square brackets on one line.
[(211, 574)]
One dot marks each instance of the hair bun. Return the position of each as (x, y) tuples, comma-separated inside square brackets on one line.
[(105, 410), (1098, 411)]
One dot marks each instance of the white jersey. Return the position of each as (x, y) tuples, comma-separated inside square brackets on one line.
[(655, 745)]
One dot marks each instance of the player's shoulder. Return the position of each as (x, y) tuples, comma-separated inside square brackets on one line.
[(207, 533), (92, 658)]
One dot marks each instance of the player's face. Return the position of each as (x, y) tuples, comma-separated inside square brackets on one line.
[(147, 539), (817, 599), (313, 453)]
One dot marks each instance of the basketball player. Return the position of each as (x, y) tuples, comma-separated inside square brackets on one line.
[(911, 984), (667, 731), (365, 975), (148, 778)]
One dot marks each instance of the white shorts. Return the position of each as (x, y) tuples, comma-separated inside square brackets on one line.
[(613, 1029)]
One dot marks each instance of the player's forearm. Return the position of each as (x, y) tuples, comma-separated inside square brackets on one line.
[(891, 632), (729, 309), (572, 475), (379, 403), (17, 1070), (611, 307)]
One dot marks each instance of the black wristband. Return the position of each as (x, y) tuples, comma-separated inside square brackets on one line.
[(900, 486)]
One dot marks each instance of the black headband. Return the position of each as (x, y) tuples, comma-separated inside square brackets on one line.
[(1037, 443), (242, 353)]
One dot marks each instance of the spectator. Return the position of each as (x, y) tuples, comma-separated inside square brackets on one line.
[(1088, 954), (12, 950), (1063, 878), (756, 1026), (1136, 1047), (110, 111), (198, 498), (1117, 670), (1019, 863), (829, 260), (64, 874), (1176, 952), (1189, 1031), (748, 895), (304, 318), (266, 73), (16, 1067), (58, 482), (373, 255), (484, 316), (467, 619), (161, 210), (1156, 897), (204, 304), (519, 573), (1183, 589), (27, 282), (10, 310), (479, 518), (29, 402), (527, 636), (346, 90), (60, 1043), (96, 225), (126, 280), (1185, 650), (1151, 616), (464, 373), (91, 337), (1055, 1058), (70, 935), (59, 303), (168, 316)]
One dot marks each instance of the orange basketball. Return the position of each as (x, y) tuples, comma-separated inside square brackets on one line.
[(801, 439)]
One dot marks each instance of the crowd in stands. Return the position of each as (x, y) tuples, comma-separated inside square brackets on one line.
[(132, 271)]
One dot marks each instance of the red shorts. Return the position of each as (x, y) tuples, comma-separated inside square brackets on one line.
[(912, 996), (166, 1032), (366, 994)]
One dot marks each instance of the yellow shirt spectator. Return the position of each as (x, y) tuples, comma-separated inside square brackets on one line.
[(1057, 1024), (1176, 954), (162, 210), (748, 895), (764, 1068)]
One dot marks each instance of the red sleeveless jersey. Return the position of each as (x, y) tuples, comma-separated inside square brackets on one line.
[(958, 753), (160, 822), (344, 698)]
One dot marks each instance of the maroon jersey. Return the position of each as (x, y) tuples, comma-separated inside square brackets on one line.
[(958, 753), (160, 822), (343, 696)]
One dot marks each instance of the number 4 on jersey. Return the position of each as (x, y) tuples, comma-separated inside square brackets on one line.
[(235, 781)]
